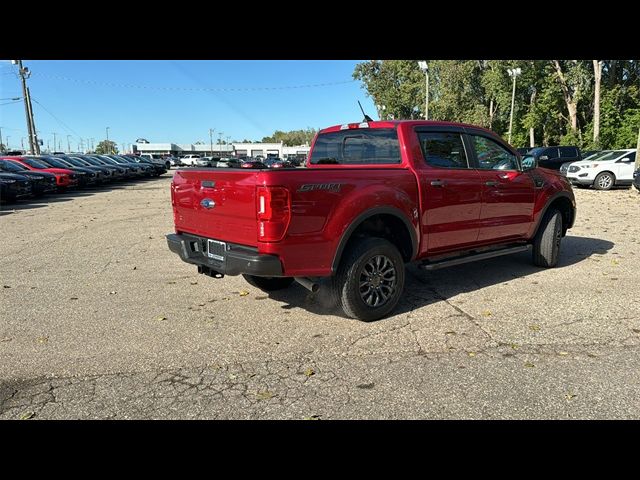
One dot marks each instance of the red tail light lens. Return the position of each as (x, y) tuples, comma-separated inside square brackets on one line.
[(274, 213)]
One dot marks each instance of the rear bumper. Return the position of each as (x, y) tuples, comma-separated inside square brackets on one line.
[(238, 259)]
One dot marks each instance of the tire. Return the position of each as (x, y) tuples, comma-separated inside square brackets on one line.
[(370, 270), (604, 181), (268, 284), (546, 243)]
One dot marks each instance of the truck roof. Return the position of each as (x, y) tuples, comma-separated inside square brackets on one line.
[(394, 123)]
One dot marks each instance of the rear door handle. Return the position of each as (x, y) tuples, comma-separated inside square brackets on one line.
[(491, 183), (437, 183)]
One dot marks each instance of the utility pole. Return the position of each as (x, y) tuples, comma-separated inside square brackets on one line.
[(22, 142), (54, 140), (513, 72), (92, 147), (59, 145), (220, 142), (48, 147), (8, 143), (81, 145), (68, 144), (211, 130), (31, 128)]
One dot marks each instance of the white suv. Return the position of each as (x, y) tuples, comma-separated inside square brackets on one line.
[(190, 160), (603, 171)]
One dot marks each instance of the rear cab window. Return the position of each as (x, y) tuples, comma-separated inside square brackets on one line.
[(362, 146)]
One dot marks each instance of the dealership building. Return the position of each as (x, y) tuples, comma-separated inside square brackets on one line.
[(220, 150)]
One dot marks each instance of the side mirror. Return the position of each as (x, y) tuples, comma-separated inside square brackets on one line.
[(625, 160), (544, 157), (529, 163)]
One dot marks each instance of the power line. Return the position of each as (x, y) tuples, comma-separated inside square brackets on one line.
[(193, 89), (57, 119), (10, 103)]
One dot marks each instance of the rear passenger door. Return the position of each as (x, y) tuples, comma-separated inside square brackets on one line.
[(450, 191), (507, 192)]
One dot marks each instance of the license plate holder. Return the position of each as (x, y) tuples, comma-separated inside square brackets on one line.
[(216, 249)]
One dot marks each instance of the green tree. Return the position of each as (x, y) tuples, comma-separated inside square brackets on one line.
[(107, 147), (396, 87)]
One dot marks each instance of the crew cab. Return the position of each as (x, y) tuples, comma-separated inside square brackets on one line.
[(374, 196)]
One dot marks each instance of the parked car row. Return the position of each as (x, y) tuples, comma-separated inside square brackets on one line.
[(237, 162), (35, 175)]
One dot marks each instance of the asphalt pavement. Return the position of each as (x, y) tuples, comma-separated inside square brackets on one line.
[(98, 319)]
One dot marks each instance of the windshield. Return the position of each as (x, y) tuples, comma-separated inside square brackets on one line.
[(610, 155), (35, 163), (11, 167), (76, 161), (55, 162)]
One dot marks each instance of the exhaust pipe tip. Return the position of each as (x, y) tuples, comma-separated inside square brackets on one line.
[(308, 284)]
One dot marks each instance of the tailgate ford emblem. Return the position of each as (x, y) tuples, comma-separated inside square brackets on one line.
[(207, 203)]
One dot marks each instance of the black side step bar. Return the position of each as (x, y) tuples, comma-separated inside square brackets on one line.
[(473, 257)]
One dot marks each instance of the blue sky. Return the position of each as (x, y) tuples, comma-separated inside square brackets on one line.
[(178, 101)]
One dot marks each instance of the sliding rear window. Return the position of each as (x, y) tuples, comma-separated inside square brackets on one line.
[(360, 146)]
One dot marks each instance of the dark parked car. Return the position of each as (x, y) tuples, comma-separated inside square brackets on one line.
[(41, 182), (158, 168), (554, 157), (636, 179), (117, 172), (252, 164), (13, 186), (523, 150)]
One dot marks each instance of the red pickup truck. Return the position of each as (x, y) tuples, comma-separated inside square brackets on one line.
[(373, 196)]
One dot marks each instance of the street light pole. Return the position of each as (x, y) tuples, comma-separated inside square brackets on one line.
[(211, 130), (424, 66), (513, 72), (220, 142)]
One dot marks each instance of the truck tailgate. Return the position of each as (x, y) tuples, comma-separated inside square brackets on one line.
[(216, 203)]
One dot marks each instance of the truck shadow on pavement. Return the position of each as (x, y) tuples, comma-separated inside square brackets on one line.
[(424, 288)]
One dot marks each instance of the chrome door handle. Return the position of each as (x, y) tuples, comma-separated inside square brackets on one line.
[(491, 183), (437, 183)]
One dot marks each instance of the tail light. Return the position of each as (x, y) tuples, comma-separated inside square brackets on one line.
[(274, 213)]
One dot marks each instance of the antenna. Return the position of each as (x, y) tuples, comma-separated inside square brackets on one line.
[(367, 118)]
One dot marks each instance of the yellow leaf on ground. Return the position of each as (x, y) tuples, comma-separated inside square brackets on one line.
[(266, 395), (529, 365), (309, 371), (244, 293)]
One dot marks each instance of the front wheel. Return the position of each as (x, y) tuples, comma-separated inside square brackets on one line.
[(370, 279), (604, 181), (546, 244), (268, 284)]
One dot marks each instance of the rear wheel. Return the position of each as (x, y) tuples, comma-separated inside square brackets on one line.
[(546, 244), (268, 284), (604, 181), (370, 279)]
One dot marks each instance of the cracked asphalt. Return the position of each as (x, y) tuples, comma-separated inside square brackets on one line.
[(99, 320)]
